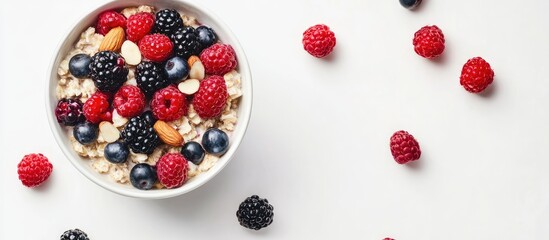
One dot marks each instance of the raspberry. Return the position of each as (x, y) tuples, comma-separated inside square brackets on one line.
[(139, 25), (109, 20), (172, 170), (218, 59), (169, 104), (404, 147), (429, 42), (390, 238), (319, 40), (211, 97), (156, 47), (476, 75), (34, 169), (96, 108), (129, 101)]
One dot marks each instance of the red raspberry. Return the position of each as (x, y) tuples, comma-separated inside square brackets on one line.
[(211, 97), (156, 47), (429, 42), (404, 147), (388, 239), (172, 170), (139, 25), (97, 108), (169, 104), (34, 169), (109, 20), (319, 40), (218, 59), (129, 101), (476, 75)]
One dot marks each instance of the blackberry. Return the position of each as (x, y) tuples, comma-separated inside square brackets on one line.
[(255, 213), (185, 42), (69, 112), (150, 77), (140, 135), (108, 71), (167, 22), (74, 234)]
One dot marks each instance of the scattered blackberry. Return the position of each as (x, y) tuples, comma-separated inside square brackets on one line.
[(108, 71), (150, 77), (140, 135), (69, 112), (168, 21), (185, 42), (255, 213), (74, 234)]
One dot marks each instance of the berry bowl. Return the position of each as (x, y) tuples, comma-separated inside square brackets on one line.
[(149, 98)]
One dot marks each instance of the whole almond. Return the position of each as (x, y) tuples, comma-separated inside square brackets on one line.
[(167, 134), (109, 132), (113, 40)]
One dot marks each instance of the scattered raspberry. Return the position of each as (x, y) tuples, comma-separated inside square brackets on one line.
[(172, 170), (319, 40), (404, 147), (156, 47), (129, 101), (211, 97), (34, 169), (429, 42), (109, 20), (96, 108), (218, 59), (139, 25), (476, 75), (169, 104), (388, 239)]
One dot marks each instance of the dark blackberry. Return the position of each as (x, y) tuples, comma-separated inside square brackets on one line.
[(168, 21), (140, 135), (150, 77), (69, 112), (255, 213), (108, 71), (185, 42), (74, 234)]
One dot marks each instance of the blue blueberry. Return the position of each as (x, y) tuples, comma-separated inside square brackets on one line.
[(85, 133), (410, 4), (176, 69), (143, 176), (193, 152), (79, 65), (215, 141), (206, 36), (117, 152)]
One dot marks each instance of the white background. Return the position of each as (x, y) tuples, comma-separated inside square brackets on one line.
[(317, 145)]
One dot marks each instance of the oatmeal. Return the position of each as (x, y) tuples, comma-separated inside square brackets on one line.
[(129, 102)]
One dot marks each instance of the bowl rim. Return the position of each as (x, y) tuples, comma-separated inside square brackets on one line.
[(243, 121)]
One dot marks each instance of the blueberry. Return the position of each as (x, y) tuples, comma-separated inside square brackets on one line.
[(206, 36), (79, 65), (143, 176), (410, 4), (85, 133), (192, 151), (215, 141), (176, 69), (117, 152)]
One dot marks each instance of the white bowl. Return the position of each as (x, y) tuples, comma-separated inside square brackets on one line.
[(225, 35)]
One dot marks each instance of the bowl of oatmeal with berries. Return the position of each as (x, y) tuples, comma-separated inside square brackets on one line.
[(149, 99)]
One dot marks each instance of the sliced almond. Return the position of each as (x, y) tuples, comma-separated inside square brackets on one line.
[(197, 70), (113, 40), (192, 60), (130, 52), (109, 132), (168, 134), (189, 86)]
